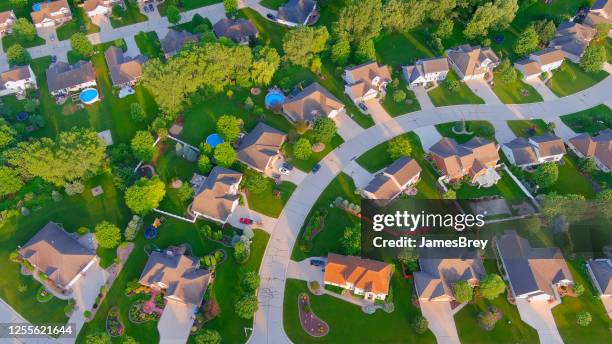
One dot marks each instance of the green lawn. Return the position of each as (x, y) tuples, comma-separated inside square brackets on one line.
[(591, 120), (185, 5), (272, 4), (335, 222), (570, 78), (132, 16), (148, 44), (505, 187), (307, 165), (9, 40), (397, 109), (442, 96), (348, 324), (266, 203), (512, 92), (446, 130), (402, 48), (80, 23), (570, 181), (565, 313), (377, 158), (72, 212)]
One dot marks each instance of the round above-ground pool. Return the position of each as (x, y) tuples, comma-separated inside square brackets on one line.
[(22, 116), (274, 98), (214, 140), (89, 96), (150, 232)]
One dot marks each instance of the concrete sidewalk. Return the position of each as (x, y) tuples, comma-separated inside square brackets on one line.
[(360, 175)]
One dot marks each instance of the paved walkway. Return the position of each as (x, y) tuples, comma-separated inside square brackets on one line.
[(538, 315), (347, 127), (268, 325), (423, 98), (360, 175), (484, 91), (542, 89), (441, 319)]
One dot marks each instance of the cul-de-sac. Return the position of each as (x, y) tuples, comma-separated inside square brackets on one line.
[(206, 171)]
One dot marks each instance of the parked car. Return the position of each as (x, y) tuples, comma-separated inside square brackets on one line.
[(246, 221), (271, 16), (316, 168), (317, 262), (363, 107), (284, 171), (288, 166), (53, 58)]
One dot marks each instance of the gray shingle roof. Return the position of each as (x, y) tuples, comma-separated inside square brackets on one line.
[(261, 144), (296, 11), (61, 75), (238, 30)]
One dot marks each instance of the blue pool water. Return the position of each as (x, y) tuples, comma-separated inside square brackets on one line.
[(89, 95), (274, 98), (150, 233), (214, 140)]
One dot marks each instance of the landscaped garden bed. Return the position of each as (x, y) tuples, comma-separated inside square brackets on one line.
[(310, 322), (137, 314), (42, 295), (114, 326)]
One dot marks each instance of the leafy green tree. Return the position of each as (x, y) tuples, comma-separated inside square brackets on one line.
[(145, 195), (341, 51), (107, 234), (496, 15), (250, 281), (128, 340), (18, 55), (204, 164), (605, 195), (445, 28), (302, 149), (7, 134), (247, 305), (74, 154), (229, 127), (265, 65), (546, 174), (442, 9), (324, 129), (9, 181), (18, 3), (451, 85), (491, 286), (225, 155), (602, 31), (173, 14), (118, 11), (399, 147), (351, 240), (420, 324), (257, 183), (137, 113), (462, 291), (527, 41), (143, 145), (587, 164), (450, 194), (578, 289), (98, 338), (185, 192), (230, 6), (402, 15), (242, 251), (594, 58), (207, 336), (583, 318), (301, 45), (365, 50), (485, 131), (81, 44), (24, 30), (546, 30), (359, 21), (399, 96)]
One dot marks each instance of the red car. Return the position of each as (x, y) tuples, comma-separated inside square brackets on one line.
[(246, 221)]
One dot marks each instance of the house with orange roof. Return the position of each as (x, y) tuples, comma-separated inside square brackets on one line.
[(366, 81), (364, 277), (51, 14), (7, 19)]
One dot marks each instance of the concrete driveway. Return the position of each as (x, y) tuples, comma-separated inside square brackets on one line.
[(347, 128), (175, 323), (482, 89), (304, 271), (378, 113), (441, 320), (47, 33), (538, 315), (86, 289), (360, 175), (267, 222), (503, 133), (423, 98), (132, 47), (562, 130), (542, 89), (429, 136)]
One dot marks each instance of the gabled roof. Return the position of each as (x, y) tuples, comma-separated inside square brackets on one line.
[(90, 5), (56, 253), (387, 184), (470, 59), (426, 66), (174, 40), (313, 101), (530, 67), (123, 69), (14, 74), (531, 269), (46, 10), (602, 271), (369, 275), (6, 15), (599, 146), (363, 76), (214, 199), (61, 75), (522, 151), (549, 144), (181, 274), (238, 30), (296, 11), (260, 145), (549, 55), (473, 156)]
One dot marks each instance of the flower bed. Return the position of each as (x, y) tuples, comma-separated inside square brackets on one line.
[(42, 295), (114, 326), (309, 321), (138, 316)]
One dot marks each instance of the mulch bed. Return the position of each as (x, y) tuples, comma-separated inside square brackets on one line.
[(114, 326), (309, 321)]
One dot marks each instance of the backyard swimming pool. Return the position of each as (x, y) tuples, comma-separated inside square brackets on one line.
[(89, 96), (214, 140), (274, 98)]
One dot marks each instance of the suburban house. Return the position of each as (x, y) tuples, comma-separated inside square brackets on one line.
[(175, 40), (426, 71), (600, 271), (241, 31), (296, 12), (183, 284), (364, 277), (124, 70), (434, 281), (312, 102), (472, 62), (601, 12), (218, 196), (17, 81), (402, 174), (476, 158), (533, 273), (100, 7), (542, 61), (261, 147), (59, 256), (7, 19), (573, 39), (63, 77), (535, 150), (50, 14), (366, 81), (598, 147)]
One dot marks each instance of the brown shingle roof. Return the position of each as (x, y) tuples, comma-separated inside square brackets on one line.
[(15, 74), (47, 8), (522, 151), (214, 199), (369, 275), (602, 271), (312, 102), (260, 145), (599, 146), (90, 5), (530, 67), (238, 30), (387, 184), (122, 69), (57, 254), (174, 41), (61, 75), (364, 74), (548, 144), (6, 15), (469, 59), (472, 156), (549, 55)]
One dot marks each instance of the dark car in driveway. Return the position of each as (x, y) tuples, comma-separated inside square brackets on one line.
[(316, 168), (317, 262)]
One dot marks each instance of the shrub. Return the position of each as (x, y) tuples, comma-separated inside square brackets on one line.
[(107, 234), (491, 286), (242, 251), (462, 291), (583, 318), (578, 289), (250, 281), (247, 305), (208, 337), (225, 155), (302, 149), (546, 174), (399, 147), (420, 324), (204, 164), (137, 113), (324, 129), (399, 96), (587, 164), (451, 85), (257, 183)]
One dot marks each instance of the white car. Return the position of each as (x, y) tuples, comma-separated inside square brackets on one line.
[(284, 171)]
